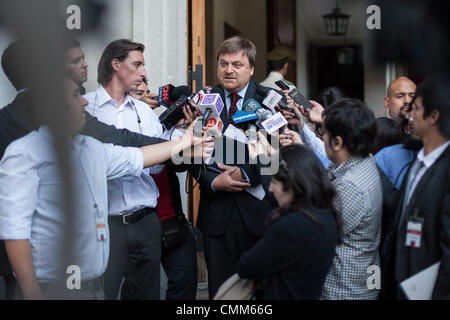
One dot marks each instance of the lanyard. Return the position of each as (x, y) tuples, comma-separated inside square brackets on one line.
[(134, 107)]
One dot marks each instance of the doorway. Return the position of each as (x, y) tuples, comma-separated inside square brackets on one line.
[(339, 66)]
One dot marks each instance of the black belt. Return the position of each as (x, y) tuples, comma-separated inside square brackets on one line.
[(132, 217), (94, 284)]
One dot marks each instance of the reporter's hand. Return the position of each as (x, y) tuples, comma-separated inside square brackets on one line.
[(290, 118), (225, 181), (299, 115), (189, 115), (290, 102), (261, 147), (207, 147), (147, 98), (189, 138), (290, 137), (236, 175), (315, 113)]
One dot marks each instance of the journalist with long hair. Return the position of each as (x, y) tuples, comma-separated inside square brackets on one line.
[(295, 254)]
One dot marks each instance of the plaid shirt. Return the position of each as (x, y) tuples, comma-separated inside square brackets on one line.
[(359, 201)]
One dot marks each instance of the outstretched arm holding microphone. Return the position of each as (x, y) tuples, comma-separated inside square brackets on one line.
[(159, 153)]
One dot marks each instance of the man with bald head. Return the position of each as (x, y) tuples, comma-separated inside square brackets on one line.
[(398, 97)]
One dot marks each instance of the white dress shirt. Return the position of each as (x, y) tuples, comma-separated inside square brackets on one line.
[(240, 101), (312, 141), (129, 193), (32, 205), (427, 161)]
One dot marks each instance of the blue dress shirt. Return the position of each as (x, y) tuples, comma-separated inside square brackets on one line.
[(393, 161)]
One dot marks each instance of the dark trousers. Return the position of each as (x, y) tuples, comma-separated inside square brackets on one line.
[(10, 286), (6, 273), (223, 252), (135, 254), (180, 265), (90, 290)]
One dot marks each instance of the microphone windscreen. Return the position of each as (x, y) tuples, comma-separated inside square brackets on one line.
[(262, 91), (264, 114), (180, 91), (251, 105)]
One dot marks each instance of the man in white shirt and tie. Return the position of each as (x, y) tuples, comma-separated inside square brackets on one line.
[(421, 232)]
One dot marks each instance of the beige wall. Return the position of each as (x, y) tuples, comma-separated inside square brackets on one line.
[(159, 25), (248, 17)]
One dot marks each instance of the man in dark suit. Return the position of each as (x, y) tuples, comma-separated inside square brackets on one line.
[(230, 218), (16, 120), (421, 230)]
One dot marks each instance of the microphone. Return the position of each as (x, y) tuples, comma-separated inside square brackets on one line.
[(251, 105), (263, 115), (271, 98), (252, 136), (180, 91), (211, 106), (174, 113), (247, 113), (206, 116), (165, 96), (212, 102), (273, 123), (214, 127)]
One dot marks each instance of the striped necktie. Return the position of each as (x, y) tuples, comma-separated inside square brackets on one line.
[(234, 98)]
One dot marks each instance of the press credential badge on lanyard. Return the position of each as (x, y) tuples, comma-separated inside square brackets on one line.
[(100, 225), (414, 229), (100, 221)]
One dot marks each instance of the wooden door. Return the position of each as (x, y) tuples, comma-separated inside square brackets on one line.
[(196, 63)]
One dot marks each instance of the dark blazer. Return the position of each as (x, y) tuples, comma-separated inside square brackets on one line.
[(432, 199), (293, 257), (215, 207), (14, 121)]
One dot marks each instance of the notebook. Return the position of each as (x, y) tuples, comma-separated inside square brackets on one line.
[(420, 286)]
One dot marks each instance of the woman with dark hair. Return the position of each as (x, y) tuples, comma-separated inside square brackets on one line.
[(389, 133), (294, 256)]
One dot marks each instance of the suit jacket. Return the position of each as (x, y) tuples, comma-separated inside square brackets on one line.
[(432, 199), (215, 208), (14, 121)]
